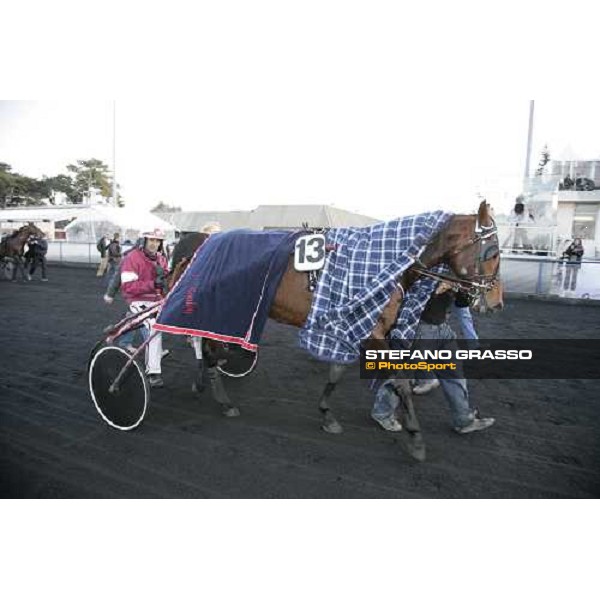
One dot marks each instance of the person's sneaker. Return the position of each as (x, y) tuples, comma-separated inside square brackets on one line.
[(477, 424), (155, 381), (390, 423), (426, 387), (44, 279), (131, 349), (165, 353), (28, 278)]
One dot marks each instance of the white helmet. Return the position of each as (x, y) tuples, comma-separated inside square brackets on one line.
[(156, 233)]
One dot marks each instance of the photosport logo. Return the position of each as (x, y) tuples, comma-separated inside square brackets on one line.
[(481, 359)]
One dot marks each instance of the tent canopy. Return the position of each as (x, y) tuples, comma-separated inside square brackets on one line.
[(96, 221)]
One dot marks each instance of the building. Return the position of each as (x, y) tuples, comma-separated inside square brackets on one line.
[(269, 217), (52, 220), (82, 223), (578, 210)]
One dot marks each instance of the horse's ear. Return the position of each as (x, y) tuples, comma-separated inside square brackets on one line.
[(485, 215)]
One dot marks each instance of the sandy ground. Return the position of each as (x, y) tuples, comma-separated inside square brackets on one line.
[(546, 442)]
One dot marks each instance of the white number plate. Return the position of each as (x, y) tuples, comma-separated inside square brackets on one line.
[(309, 253)]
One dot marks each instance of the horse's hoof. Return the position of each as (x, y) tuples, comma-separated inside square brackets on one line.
[(416, 448), (333, 427), (198, 389), (232, 412), (419, 454)]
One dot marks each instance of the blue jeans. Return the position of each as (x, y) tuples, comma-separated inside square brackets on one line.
[(466, 322), (465, 319), (128, 338), (455, 389)]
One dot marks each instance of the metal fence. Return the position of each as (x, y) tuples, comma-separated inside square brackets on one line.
[(524, 274), (541, 240), (73, 252), (543, 276)]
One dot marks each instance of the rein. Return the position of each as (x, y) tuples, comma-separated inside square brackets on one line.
[(477, 285)]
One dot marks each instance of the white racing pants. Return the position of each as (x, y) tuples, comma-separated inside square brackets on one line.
[(154, 348), (197, 346)]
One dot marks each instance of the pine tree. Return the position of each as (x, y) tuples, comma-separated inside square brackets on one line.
[(544, 160)]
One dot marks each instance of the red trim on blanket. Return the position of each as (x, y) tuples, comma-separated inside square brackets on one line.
[(228, 339)]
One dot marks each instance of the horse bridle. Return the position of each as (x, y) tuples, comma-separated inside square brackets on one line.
[(479, 284)]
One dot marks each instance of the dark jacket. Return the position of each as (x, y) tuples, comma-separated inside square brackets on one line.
[(101, 246), (114, 250), (574, 254), (437, 309), (40, 247)]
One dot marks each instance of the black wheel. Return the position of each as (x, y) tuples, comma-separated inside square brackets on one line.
[(124, 406), (6, 269), (93, 353)]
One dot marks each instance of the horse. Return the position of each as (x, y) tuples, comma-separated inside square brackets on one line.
[(11, 247), (468, 245)]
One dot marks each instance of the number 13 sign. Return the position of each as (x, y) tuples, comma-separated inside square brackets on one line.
[(309, 253)]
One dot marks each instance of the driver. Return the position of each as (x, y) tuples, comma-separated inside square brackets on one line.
[(144, 284)]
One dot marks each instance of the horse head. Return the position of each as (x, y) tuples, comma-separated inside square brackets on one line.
[(31, 230), (474, 257), (469, 246)]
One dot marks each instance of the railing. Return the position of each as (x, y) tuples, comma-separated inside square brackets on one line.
[(73, 252), (542, 276), (536, 239), (525, 274)]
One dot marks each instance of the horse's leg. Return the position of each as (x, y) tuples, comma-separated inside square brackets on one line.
[(414, 442), (18, 268), (330, 423), (215, 380), (198, 385)]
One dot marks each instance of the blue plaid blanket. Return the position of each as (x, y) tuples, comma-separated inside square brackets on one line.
[(227, 290), (358, 279)]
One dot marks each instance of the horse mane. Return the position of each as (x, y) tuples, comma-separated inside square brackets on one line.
[(14, 234), (183, 253), (187, 245)]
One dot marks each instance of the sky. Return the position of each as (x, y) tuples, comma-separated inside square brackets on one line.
[(379, 158), (245, 105)]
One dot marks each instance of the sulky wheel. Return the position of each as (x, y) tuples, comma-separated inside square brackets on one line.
[(237, 362), (123, 405)]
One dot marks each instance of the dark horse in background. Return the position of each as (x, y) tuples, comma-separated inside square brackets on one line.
[(468, 245), (11, 247)]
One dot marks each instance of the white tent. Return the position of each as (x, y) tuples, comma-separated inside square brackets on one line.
[(96, 221)]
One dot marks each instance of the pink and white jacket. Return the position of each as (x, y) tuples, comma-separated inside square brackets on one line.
[(138, 276)]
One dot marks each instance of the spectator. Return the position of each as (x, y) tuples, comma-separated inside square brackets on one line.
[(520, 218), (102, 247), (573, 254), (568, 183), (40, 249), (29, 253), (114, 255)]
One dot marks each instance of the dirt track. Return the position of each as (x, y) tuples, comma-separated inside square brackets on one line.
[(546, 442)]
